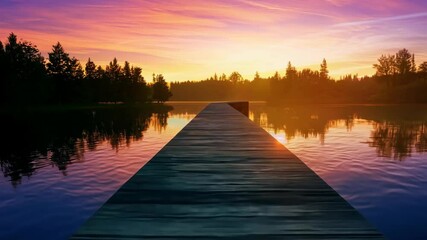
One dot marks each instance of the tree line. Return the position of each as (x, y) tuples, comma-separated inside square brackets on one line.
[(397, 80), (27, 78)]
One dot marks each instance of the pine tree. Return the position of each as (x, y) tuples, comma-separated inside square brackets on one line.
[(403, 61), (139, 86), (276, 76), (90, 69), (1, 49), (113, 71), (59, 60), (324, 70), (136, 75), (125, 85), (75, 69), (422, 68), (257, 77), (291, 72), (2, 63), (23, 78), (127, 70), (66, 73), (91, 84), (413, 65)]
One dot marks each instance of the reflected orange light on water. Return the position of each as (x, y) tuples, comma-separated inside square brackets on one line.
[(119, 165), (279, 136)]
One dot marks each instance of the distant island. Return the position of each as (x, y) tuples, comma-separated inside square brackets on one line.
[(27, 79)]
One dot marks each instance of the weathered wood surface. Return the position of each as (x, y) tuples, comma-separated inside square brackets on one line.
[(223, 177)]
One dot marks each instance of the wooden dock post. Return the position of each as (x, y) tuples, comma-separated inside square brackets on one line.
[(242, 107), (223, 177)]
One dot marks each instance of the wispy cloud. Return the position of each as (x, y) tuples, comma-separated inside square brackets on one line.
[(383, 19), (287, 9), (192, 39), (340, 2)]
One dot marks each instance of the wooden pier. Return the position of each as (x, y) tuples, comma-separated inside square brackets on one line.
[(223, 177)]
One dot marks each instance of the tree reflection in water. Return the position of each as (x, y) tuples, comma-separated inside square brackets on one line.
[(35, 140), (397, 130), (398, 140)]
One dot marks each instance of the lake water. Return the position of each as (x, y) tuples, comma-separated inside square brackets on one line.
[(60, 167), (373, 156)]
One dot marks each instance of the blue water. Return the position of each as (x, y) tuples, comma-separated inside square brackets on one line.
[(58, 168), (373, 156)]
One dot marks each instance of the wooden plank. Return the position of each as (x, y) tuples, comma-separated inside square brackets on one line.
[(223, 177)]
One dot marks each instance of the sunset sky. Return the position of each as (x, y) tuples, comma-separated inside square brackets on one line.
[(191, 40)]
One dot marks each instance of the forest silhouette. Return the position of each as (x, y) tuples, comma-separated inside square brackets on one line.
[(28, 79), (397, 80)]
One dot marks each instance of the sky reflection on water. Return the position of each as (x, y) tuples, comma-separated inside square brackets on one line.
[(58, 168), (374, 156)]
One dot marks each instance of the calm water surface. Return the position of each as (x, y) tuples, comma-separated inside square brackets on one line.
[(58, 168), (374, 156)]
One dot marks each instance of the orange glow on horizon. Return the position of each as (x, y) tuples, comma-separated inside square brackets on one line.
[(184, 40)]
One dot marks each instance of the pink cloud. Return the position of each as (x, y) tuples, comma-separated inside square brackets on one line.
[(187, 38)]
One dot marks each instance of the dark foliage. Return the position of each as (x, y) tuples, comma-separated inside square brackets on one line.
[(27, 79), (21, 64), (396, 81), (160, 88)]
